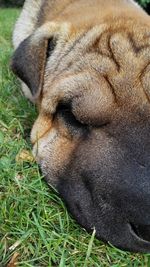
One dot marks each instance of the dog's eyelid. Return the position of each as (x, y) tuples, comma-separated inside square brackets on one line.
[(65, 109), (60, 108), (50, 46), (64, 106)]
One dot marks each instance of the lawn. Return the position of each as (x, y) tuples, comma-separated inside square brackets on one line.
[(34, 223)]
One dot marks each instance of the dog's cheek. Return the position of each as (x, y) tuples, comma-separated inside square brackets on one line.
[(53, 153)]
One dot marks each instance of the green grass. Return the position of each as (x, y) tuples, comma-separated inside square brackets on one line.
[(33, 220)]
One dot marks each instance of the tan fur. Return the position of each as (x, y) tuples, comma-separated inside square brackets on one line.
[(100, 65), (108, 27)]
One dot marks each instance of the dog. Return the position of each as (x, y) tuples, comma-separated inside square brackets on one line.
[(86, 65)]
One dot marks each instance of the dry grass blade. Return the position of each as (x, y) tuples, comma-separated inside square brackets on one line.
[(13, 261), (24, 156)]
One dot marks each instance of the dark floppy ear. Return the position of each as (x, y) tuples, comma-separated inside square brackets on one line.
[(28, 63)]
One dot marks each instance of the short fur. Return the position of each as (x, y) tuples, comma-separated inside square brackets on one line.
[(86, 63)]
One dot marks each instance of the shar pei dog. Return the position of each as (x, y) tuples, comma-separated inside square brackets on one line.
[(86, 64)]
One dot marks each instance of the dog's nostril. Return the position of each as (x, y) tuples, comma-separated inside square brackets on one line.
[(142, 231)]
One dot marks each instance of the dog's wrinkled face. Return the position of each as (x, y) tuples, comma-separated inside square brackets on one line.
[(91, 138)]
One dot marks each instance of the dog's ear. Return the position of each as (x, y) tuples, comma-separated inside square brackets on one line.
[(29, 60)]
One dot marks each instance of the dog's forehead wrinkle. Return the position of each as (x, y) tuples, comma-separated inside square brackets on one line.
[(61, 58), (66, 88), (145, 81), (138, 46), (78, 45), (107, 66)]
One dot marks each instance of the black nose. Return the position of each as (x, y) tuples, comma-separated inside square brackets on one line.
[(92, 210)]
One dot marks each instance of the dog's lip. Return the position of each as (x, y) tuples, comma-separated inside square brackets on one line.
[(137, 236), (134, 230)]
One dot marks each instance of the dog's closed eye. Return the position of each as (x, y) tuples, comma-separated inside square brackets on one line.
[(64, 110), (50, 47)]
